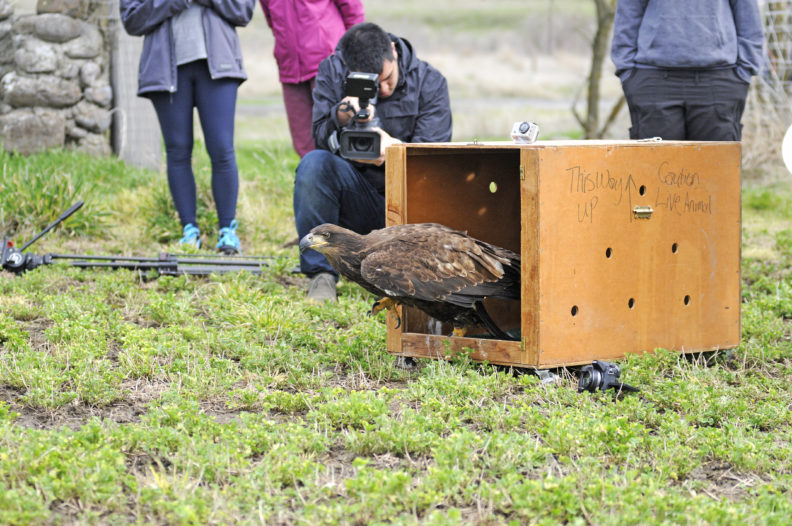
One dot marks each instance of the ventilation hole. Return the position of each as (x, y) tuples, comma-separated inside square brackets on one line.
[(608, 252), (574, 310), (642, 189), (493, 187), (631, 303), (674, 248), (687, 299)]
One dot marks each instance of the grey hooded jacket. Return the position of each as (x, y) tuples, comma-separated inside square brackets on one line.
[(688, 34), (152, 18), (419, 110)]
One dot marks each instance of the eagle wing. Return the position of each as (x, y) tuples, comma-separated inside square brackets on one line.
[(433, 263)]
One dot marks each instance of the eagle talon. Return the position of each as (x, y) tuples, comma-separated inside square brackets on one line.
[(386, 304), (377, 306)]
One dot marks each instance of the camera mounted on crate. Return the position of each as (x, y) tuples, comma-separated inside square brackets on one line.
[(524, 132), (357, 140)]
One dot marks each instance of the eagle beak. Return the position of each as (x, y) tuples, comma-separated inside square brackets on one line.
[(310, 242)]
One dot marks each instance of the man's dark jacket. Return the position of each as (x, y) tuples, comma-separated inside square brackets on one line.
[(418, 110)]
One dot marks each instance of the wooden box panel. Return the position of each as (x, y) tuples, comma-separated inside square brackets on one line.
[(598, 280)]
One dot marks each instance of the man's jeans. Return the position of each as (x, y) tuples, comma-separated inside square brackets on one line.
[(328, 189)]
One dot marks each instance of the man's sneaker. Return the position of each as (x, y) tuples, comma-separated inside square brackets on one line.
[(322, 288), (191, 236), (229, 242)]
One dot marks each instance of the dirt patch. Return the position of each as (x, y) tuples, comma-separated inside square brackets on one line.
[(724, 481), (36, 330), (72, 416), (142, 391), (299, 281), (361, 381), (221, 413)]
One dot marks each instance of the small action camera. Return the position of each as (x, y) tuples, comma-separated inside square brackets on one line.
[(524, 132)]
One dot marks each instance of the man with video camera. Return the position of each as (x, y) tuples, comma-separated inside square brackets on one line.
[(355, 117)]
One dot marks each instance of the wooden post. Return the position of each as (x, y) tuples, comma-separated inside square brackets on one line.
[(136, 133)]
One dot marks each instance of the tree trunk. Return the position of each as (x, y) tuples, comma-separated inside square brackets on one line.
[(606, 9)]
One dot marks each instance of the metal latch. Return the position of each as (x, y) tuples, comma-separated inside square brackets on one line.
[(642, 212)]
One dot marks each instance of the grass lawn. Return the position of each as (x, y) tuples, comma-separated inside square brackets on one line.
[(227, 399)]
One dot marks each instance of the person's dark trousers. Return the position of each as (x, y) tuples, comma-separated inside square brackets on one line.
[(298, 100), (329, 189), (216, 103), (695, 105)]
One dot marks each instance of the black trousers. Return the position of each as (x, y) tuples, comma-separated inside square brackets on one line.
[(695, 105)]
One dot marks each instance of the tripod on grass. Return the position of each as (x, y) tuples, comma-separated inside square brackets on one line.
[(17, 261)]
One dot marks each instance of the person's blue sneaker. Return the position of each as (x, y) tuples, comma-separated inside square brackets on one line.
[(191, 236), (229, 242)]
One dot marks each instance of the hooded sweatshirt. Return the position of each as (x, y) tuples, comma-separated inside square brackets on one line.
[(688, 34)]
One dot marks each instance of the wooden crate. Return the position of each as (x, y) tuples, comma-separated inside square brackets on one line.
[(626, 246)]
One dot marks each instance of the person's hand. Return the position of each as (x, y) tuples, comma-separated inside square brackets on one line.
[(348, 109), (385, 141)]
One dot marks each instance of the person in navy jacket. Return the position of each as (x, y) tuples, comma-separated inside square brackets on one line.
[(191, 58), (412, 106)]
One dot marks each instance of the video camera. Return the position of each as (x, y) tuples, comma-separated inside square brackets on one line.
[(357, 140), (601, 376)]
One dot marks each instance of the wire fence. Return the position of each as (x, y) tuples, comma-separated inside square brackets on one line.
[(768, 112), (778, 31)]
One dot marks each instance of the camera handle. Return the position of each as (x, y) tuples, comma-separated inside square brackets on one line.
[(363, 115), (65, 215)]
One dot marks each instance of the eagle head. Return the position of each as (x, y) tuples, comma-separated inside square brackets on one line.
[(328, 238)]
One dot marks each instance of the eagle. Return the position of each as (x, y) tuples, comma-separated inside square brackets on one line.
[(443, 272)]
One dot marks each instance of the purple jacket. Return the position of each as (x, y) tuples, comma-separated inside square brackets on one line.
[(151, 18), (307, 31)]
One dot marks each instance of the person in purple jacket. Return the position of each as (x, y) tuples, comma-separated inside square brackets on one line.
[(306, 32), (686, 66), (192, 59)]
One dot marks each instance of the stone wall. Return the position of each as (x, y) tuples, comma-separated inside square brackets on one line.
[(55, 87)]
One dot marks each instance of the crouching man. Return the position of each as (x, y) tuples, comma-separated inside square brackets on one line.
[(412, 105)]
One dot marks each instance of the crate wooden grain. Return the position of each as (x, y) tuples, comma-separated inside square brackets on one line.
[(626, 246)]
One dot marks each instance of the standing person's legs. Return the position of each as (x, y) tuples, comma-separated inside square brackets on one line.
[(298, 100), (715, 106), (329, 189), (216, 103), (656, 104), (175, 114)]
